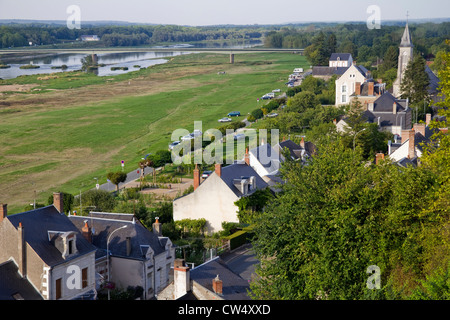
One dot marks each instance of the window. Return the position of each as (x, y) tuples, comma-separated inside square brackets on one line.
[(344, 98), (344, 88), (84, 278), (58, 289), (70, 246)]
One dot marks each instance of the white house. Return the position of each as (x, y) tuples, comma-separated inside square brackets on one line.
[(346, 83), (214, 199), (340, 60)]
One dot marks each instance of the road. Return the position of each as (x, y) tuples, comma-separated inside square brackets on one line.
[(131, 176), (242, 261)]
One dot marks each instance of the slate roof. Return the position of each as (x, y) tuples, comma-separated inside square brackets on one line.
[(13, 286), (238, 170), (328, 71), (234, 287), (140, 236), (36, 225), (267, 157), (296, 150), (433, 87), (341, 56)]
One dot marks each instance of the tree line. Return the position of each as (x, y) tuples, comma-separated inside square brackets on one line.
[(19, 35)]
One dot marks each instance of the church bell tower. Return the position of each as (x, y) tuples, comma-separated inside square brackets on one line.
[(404, 57)]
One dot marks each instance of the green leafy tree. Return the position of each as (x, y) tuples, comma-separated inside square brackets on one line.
[(302, 101), (101, 200), (415, 82), (116, 178)]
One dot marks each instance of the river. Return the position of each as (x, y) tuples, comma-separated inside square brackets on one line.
[(131, 60)]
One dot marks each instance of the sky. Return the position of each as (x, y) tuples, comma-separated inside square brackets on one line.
[(213, 12)]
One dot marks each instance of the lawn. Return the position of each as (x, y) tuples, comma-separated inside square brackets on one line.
[(62, 139)]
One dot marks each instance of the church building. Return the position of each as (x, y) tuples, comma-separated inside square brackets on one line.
[(404, 57)]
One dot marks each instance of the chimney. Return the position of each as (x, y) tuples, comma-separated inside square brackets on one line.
[(394, 108), (217, 285), (419, 127), (302, 143), (405, 136), (196, 177), (22, 250), (3, 211), (156, 227), (181, 279), (247, 157), (370, 93), (128, 246), (358, 88), (378, 157), (428, 119), (58, 201), (86, 231), (218, 169), (411, 147)]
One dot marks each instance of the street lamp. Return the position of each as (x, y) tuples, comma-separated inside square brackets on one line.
[(355, 138), (107, 254)]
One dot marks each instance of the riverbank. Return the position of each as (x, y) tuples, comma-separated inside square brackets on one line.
[(66, 131)]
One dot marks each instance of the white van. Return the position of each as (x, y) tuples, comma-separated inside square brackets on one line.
[(298, 70)]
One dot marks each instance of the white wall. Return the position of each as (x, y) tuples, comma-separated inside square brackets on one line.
[(349, 78), (61, 272), (212, 200)]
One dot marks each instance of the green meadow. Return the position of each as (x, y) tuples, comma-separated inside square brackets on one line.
[(64, 147)]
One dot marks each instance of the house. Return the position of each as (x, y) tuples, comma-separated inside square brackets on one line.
[(212, 280), (411, 147), (15, 287), (137, 257), (92, 37), (346, 83), (304, 150), (325, 73), (340, 60), (214, 199), (391, 114), (49, 252), (263, 159), (368, 91)]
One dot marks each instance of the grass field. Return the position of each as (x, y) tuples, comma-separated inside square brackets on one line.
[(76, 127)]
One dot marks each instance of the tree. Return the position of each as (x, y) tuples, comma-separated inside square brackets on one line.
[(101, 200), (116, 178), (302, 101), (415, 82)]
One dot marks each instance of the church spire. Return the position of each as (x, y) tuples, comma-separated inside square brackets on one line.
[(406, 38)]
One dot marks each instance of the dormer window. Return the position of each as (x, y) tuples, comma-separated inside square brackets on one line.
[(65, 242)]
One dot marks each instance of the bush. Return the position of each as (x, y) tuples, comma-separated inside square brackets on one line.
[(257, 113)]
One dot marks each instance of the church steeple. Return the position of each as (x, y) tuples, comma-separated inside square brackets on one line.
[(406, 38)]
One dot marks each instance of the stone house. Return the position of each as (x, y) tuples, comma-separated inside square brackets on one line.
[(346, 83), (137, 257), (49, 252)]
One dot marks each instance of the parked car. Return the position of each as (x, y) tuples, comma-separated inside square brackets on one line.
[(276, 90), (173, 144), (272, 115), (234, 114), (225, 119), (187, 137), (265, 97), (206, 174)]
